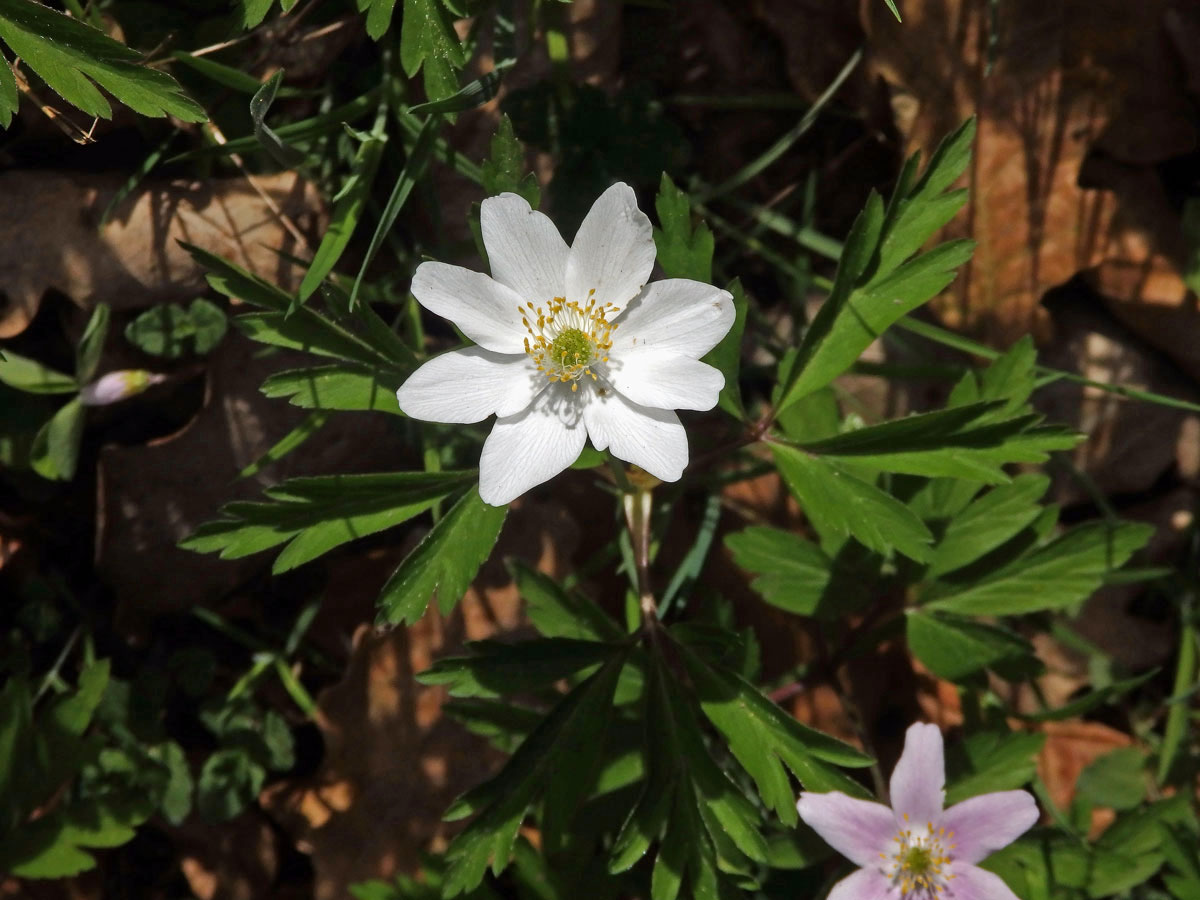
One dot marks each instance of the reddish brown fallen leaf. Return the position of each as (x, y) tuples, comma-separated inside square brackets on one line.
[(49, 237), (393, 762), (150, 497), (1069, 749), (235, 860), (1068, 83)]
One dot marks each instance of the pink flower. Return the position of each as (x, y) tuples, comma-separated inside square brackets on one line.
[(916, 850)]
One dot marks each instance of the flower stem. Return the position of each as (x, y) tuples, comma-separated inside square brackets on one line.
[(638, 504)]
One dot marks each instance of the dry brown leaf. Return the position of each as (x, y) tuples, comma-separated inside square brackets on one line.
[(1130, 444), (1069, 749), (235, 860), (1069, 81), (49, 237), (392, 761), (151, 497)]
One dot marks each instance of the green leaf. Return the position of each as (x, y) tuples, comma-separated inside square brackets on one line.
[(1117, 779), (209, 324), (495, 669), (688, 803), (578, 720), (164, 330), (52, 846), (891, 4), (347, 210), (874, 285), (798, 576), (841, 505), (229, 782), (316, 514), (31, 376), (505, 168), (683, 251), (1091, 700), (959, 442), (445, 561), (1179, 714), (254, 11), (91, 344), (414, 168), (764, 738), (55, 449), (16, 745), (308, 426), (260, 105), (990, 761), (992, 519), (427, 39), (727, 355), (69, 56), (228, 76), (176, 799), (1065, 571), (344, 387), (474, 93), (953, 648), (556, 612), (70, 715), (9, 98), (286, 324)]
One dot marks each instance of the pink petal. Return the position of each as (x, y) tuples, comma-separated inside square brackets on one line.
[(973, 883), (865, 884), (858, 829), (984, 824), (919, 779)]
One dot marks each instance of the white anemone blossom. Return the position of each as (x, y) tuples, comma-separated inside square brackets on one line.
[(571, 343)]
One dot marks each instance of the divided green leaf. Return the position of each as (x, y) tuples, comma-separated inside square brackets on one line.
[(504, 170), (166, 330), (314, 515), (427, 40), (877, 282), (1065, 571), (73, 58), (684, 251), (445, 561), (841, 506)]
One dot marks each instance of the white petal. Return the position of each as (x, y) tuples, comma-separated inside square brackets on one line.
[(485, 310), (613, 251), (666, 381), (651, 438), (469, 385), (865, 884), (919, 779), (526, 449), (677, 315), (858, 829), (524, 248)]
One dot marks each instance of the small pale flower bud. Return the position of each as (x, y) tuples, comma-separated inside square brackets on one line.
[(115, 386)]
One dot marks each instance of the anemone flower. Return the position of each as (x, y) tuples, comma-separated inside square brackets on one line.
[(571, 343), (916, 850)]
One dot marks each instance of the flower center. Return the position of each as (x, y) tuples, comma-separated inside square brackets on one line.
[(918, 867), (567, 338)]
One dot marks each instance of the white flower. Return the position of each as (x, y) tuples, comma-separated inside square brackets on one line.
[(572, 343), (116, 386)]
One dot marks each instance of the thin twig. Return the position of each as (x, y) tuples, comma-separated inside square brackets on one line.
[(286, 220)]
